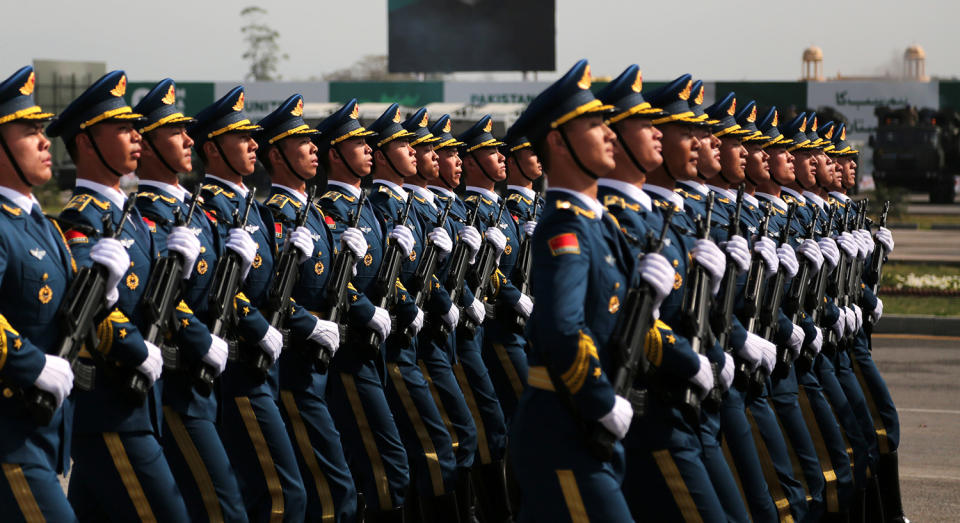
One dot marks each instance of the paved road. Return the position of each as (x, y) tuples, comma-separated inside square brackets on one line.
[(924, 378), (942, 246)]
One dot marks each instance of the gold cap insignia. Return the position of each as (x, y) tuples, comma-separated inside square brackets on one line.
[(685, 93), (843, 133), (396, 116), (446, 127), (776, 119), (356, 112), (121, 88), (753, 115), (170, 97), (733, 107), (585, 80), (699, 98), (803, 126), (424, 120), (298, 110), (489, 127), (27, 88), (830, 132), (813, 126), (239, 105), (638, 82)]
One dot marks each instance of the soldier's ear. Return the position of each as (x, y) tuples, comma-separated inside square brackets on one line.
[(210, 149), (555, 141)]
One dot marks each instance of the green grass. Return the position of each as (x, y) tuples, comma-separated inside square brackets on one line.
[(931, 305), (925, 221)]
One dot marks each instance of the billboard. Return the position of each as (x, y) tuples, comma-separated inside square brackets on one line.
[(471, 35), (261, 98)]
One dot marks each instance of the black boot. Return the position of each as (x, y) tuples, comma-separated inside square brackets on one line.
[(889, 477), (858, 511), (439, 509), (874, 508), (466, 497), (513, 488), (394, 515), (491, 484)]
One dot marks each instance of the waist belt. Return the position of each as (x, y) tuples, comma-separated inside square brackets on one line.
[(539, 378)]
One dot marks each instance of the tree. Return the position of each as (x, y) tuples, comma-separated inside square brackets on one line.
[(263, 52), (370, 67)]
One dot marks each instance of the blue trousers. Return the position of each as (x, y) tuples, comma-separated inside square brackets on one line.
[(31, 492), (843, 411), (474, 381), (436, 366), (886, 422), (745, 460), (505, 358), (559, 479), (858, 402), (201, 468), (368, 432), (123, 477), (720, 475)]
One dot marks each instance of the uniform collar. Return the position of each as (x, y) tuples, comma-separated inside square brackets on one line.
[(813, 198), (751, 199), (590, 203), (352, 190), (442, 190), (795, 194), (422, 192), (665, 193), (696, 186), (726, 193), (115, 196), (629, 189), (239, 189), (490, 195), (394, 187), (176, 191), (776, 200), (527, 193), (840, 196), (302, 198), (19, 199)]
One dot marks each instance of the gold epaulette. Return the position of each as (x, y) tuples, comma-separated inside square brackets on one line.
[(80, 202), (384, 188), (565, 205), (12, 211), (216, 190), (282, 199), (517, 197)]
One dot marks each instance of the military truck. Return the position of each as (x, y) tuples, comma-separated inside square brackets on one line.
[(918, 149)]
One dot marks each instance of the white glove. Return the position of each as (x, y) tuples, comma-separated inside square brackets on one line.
[(817, 342), (187, 244), (452, 316), (866, 241), (353, 239), (56, 377), (496, 238), (153, 365), (726, 373), (216, 355), (441, 239), (240, 242), (524, 305), (476, 311), (709, 256), (272, 342), (617, 421), (831, 254), (660, 274), (840, 324), (110, 253), (811, 251), (795, 341), (327, 334), (302, 240), (769, 355), (703, 379), (739, 252), (751, 351), (849, 245), (417, 322), (885, 237), (858, 315), (768, 251), (471, 237), (851, 322), (529, 227), (877, 312), (380, 323), (402, 235), (788, 260)]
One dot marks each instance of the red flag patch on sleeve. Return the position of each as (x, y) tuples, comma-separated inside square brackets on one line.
[(278, 229), (566, 243), (329, 221), (74, 237), (210, 216), (150, 223)]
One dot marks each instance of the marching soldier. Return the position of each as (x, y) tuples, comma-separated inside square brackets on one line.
[(36, 268), (112, 426), (287, 151), (252, 428), (190, 440)]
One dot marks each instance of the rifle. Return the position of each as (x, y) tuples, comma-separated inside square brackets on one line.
[(838, 285), (159, 301), (459, 264), (852, 290), (814, 304), (753, 292), (335, 303), (628, 343), (721, 320), (696, 317), (522, 270), (876, 263), (81, 305), (385, 287), (484, 267), (793, 307), (768, 316), (226, 283), (419, 285)]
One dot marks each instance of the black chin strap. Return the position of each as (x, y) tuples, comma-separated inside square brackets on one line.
[(666, 169), (13, 161), (148, 141), (701, 176), (103, 160), (445, 182), (626, 149), (346, 163), (522, 172), (290, 165), (573, 153), (724, 177), (480, 166), (394, 167), (224, 156)]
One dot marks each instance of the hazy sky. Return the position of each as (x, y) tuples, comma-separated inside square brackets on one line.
[(715, 40)]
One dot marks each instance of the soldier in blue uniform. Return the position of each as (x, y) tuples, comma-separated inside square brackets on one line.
[(252, 428), (36, 268), (190, 440), (100, 134), (287, 151), (355, 388), (583, 270), (523, 171), (425, 437)]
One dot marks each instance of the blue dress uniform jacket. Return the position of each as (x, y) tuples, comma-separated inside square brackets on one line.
[(521, 207), (583, 269), (388, 205)]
